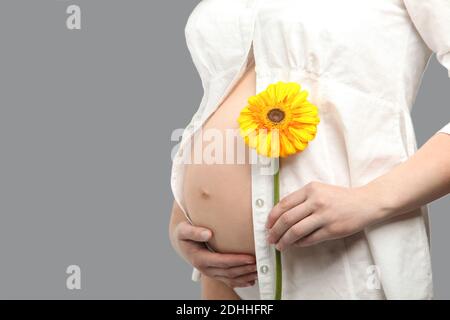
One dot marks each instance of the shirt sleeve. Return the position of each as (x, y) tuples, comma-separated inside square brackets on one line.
[(432, 20), (445, 129)]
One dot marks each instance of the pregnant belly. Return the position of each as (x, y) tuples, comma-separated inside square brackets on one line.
[(218, 197), (217, 190)]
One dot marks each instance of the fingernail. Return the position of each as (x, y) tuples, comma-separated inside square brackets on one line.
[(204, 235)]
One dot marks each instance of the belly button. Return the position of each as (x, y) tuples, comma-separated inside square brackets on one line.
[(204, 193)]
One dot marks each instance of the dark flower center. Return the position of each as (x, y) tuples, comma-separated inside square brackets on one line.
[(276, 115)]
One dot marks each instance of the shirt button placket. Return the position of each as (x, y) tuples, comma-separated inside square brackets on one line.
[(261, 205), (261, 195)]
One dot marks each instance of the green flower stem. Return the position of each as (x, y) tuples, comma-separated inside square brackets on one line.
[(279, 276), (276, 199)]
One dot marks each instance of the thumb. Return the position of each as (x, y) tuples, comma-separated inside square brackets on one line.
[(186, 231)]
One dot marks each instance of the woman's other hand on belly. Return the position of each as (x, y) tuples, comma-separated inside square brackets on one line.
[(235, 270)]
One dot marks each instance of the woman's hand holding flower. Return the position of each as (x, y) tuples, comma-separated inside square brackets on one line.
[(319, 212)]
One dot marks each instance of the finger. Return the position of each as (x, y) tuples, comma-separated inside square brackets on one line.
[(232, 273), (298, 231), (243, 281), (202, 258), (224, 260), (315, 237), (288, 202), (287, 220), (186, 231)]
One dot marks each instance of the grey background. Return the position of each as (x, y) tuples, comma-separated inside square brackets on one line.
[(85, 124)]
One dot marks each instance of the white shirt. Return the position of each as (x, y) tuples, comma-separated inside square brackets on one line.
[(362, 63)]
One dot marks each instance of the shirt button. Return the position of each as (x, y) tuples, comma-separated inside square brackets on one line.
[(264, 269), (259, 203)]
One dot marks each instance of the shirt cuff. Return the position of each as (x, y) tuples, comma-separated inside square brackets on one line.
[(196, 275), (445, 129)]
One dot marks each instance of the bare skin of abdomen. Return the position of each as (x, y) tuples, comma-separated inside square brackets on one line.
[(218, 196)]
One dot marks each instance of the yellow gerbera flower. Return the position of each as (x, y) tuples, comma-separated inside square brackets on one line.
[(279, 121)]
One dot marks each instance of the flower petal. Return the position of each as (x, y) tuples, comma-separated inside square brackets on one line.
[(286, 147), (301, 134)]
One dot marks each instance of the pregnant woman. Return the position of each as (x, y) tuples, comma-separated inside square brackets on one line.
[(352, 222)]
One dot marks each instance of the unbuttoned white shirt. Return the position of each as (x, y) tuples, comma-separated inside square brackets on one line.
[(362, 63)]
